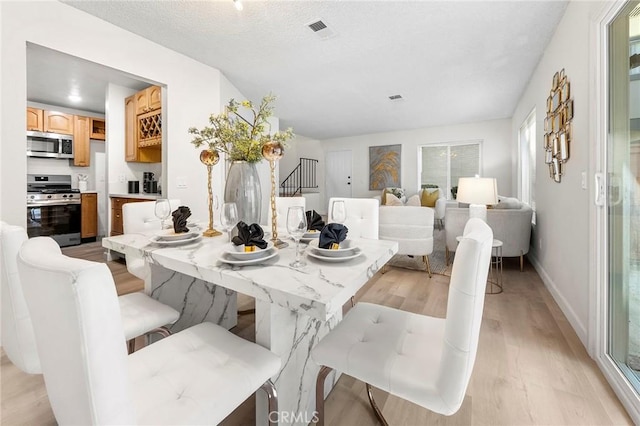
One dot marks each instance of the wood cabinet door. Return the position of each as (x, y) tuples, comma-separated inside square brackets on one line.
[(35, 119), (89, 212), (81, 148), (141, 102), (58, 122), (130, 131), (154, 97)]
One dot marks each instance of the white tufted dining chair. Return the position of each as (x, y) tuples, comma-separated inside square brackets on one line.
[(140, 314), (140, 218), (282, 208), (422, 359), (196, 376), (362, 216)]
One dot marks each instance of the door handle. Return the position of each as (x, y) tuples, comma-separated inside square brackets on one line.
[(599, 189)]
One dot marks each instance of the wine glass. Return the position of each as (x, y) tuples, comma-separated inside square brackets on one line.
[(338, 211), (162, 210), (229, 217), (296, 226)]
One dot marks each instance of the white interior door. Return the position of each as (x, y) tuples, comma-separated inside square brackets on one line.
[(338, 174)]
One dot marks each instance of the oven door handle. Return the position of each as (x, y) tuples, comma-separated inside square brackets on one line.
[(62, 203)]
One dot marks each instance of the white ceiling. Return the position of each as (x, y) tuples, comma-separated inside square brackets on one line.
[(452, 61)]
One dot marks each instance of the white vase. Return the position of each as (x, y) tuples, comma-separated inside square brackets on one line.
[(243, 188)]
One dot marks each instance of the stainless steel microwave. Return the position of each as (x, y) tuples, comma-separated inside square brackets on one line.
[(49, 145)]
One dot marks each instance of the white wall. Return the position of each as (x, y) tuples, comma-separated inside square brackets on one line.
[(560, 239), (304, 147), (66, 29), (496, 161)]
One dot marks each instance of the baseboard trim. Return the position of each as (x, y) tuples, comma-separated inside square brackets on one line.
[(565, 306)]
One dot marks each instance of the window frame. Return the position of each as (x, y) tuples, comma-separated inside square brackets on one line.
[(528, 124)]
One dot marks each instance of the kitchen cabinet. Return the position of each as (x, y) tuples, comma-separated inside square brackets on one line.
[(89, 215), (149, 99), (58, 122), (81, 146), (143, 133), (98, 128), (116, 213), (35, 119)]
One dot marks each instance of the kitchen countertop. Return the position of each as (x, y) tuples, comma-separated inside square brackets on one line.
[(141, 196), (89, 191)]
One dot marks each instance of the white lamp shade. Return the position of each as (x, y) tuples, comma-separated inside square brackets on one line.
[(476, 190)]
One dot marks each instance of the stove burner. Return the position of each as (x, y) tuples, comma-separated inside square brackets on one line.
[(59, 191)]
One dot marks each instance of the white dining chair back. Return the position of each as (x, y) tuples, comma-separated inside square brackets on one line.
[(362, 216), (140, 218), (282, 207), (18, 340), (422, 359), (196, 376)]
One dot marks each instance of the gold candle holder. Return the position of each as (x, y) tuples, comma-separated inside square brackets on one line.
[(273, 151), (210, 158)]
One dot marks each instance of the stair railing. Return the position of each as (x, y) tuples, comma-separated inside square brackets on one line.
[(302, 177)]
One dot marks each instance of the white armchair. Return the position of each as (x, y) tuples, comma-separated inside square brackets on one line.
[(411, 227)]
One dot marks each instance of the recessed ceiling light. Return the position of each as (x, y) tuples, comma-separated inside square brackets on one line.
[(238, 4), (74, 98), (395, 97)]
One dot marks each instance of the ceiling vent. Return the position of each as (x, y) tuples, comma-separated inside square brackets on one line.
[(321, 29), (396, 97)]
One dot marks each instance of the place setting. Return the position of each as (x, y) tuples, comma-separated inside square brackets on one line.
[(179, 233), (248, 247), (332, 245)]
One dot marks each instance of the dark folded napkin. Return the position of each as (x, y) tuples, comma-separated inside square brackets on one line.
[(249, 235), (180, 216), (314, 221), (332, 233)]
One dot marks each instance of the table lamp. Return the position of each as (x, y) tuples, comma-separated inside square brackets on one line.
[(478, 192)]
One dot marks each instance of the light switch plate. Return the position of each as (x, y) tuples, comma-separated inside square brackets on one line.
[(584, 180), (181, 182)]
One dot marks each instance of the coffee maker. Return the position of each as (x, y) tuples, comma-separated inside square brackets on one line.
[(149, 184)]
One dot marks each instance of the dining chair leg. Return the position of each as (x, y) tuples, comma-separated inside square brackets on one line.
[(131, 346), (425, 259), (163, 331), (322, 375), (446, 256), (521, 261), (272, 400), (376, 410)]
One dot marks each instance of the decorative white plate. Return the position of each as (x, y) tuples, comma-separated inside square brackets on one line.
[(156, 240), (226, 258), (310, 235), (171, 235), (313, 253), (346, 249), (238, 253)]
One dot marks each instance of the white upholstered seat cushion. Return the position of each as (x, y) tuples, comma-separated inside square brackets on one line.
[(362, 217), (410, 226), (394, 350), (197, 376), (141, 314)]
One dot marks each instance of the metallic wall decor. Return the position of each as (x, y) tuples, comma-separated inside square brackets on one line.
[(384, 166), (557, 126)]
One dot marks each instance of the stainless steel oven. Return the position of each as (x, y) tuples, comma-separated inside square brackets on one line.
[(53, 209)]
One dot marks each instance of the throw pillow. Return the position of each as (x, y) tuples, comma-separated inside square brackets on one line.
[(507, 203), (414, 200), (392, 200), (428, 199)]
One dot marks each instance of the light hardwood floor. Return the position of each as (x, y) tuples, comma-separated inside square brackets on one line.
[(530, 369)]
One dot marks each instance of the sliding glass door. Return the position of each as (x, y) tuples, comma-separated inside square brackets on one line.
[(623, 193)]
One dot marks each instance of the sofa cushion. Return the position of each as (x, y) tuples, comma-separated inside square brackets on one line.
[(429, 198), (414, 200), (397, 192)]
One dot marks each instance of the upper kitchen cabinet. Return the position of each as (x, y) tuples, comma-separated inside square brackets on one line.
[(35, 119), (81, 147), (143, 126), (98, 128), (58, 122), (149, 99)]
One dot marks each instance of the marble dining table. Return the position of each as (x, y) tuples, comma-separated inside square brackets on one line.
[(295, 307)]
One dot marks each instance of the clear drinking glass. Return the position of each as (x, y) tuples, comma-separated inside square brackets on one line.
[(162, 210), (229, 217), (338, 211), (296, 226)]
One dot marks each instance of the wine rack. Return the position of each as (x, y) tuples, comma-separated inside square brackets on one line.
[(150, 129)]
